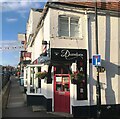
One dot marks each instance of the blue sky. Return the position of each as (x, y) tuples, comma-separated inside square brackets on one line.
[(14, 18)]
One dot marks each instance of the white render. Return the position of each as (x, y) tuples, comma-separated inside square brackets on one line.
[(108, 48), (31, 26), (32, 22), (108, 34), (105, 45)]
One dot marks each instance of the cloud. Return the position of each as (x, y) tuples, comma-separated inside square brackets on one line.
[(11, 19), (22, 13), (24, 0), (20, 5)]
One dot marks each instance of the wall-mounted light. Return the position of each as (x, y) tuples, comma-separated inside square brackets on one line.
[(44, 43)]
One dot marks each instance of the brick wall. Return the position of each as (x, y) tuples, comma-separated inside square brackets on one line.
[(114, 6)]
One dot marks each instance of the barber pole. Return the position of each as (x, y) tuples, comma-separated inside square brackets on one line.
[(44, 48)]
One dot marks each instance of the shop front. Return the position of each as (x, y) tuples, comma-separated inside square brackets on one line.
[(64, 88), (70, 78)]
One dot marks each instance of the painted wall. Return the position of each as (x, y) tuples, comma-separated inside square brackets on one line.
[(108, 48), (35, 19), (63, 42), (46, 30), (32, 23), (37, 50), (72, 43), (119, 60)]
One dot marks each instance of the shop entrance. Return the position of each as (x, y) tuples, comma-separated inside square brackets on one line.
[(61, 90)]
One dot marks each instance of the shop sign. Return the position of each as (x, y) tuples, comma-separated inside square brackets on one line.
[(67, 54)]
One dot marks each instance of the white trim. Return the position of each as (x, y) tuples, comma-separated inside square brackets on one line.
[(35, 65), (34, 93)]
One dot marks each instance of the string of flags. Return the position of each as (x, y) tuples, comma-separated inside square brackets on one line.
[(10, 47)]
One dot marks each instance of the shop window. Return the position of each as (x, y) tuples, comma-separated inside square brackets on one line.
[(62, 83), (62, 69), (69, 26)]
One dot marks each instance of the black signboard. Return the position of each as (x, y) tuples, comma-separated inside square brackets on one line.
[(79, 56), (60, 54)]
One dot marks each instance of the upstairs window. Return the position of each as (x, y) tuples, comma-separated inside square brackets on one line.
[(69, 26)]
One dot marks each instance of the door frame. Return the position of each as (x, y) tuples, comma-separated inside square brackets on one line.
[(54, 88)]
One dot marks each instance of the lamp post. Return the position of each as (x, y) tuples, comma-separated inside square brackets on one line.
[(98, 90)]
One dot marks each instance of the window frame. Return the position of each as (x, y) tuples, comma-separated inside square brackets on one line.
[(69, 26)]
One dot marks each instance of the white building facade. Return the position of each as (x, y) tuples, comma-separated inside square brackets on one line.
[(67, 33)]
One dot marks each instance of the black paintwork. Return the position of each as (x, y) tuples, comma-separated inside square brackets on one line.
[(39, 100)]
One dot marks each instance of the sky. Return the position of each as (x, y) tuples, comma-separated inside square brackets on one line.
[(13, 19)]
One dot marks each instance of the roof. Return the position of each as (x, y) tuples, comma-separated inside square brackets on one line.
[(37, 10), (113, 6)]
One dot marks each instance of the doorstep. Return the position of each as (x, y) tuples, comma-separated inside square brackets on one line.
[(61, 114), (38, 108)]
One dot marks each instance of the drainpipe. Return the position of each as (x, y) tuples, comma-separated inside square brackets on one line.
[(98, 90)]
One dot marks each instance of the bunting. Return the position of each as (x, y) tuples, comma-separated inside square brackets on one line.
[(11, 48)]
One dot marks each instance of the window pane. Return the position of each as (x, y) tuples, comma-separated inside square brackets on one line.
[(63, 26), (74, 27), (58, 87), (66, 87)]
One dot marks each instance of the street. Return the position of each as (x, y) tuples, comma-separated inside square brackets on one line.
[(17, 107)]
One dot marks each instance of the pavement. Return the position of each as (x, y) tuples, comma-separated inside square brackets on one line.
[(17, 107)]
